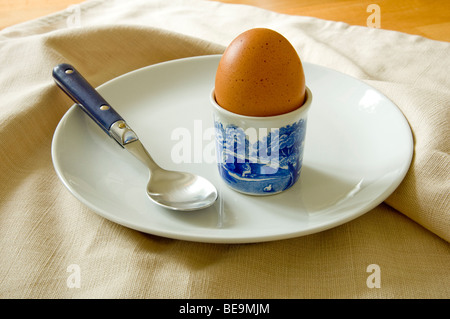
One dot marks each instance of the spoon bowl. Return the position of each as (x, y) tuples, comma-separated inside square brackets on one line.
[(180, 190)]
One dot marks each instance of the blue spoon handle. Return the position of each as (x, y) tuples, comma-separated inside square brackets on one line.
[(79, 90)]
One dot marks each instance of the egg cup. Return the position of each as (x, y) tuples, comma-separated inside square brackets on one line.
[(260, 155)]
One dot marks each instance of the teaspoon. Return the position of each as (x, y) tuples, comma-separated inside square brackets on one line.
[(170, 189)]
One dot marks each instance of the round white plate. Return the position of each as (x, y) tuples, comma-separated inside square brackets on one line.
[(358, 149)]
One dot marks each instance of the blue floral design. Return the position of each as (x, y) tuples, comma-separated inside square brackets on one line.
[(270, 165)]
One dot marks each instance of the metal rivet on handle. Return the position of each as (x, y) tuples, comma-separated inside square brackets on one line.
[(104, 107)]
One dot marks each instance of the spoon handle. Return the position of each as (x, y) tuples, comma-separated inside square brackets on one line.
[(91, 102)]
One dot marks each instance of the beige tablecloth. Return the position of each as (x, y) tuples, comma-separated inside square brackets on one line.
[(52, 246)]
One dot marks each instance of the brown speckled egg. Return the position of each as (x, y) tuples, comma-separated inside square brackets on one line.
[(260, 74)]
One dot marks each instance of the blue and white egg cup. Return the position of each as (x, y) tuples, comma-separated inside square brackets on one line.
[(260, 155)]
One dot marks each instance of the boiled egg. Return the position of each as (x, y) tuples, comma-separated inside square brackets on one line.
[(260, 74)]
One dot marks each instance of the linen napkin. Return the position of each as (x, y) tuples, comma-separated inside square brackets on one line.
[(52, 246)]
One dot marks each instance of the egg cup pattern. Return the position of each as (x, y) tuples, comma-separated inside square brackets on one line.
[(260, 155)]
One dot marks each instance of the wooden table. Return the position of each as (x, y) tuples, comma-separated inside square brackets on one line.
[(430, 19)]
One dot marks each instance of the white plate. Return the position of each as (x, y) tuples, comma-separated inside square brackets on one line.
[(358, 149)]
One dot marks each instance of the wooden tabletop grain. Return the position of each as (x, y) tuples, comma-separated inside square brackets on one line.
[(430, 19)]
